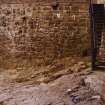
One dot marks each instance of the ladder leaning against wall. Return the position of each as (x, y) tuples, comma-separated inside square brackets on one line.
[(97, 22)]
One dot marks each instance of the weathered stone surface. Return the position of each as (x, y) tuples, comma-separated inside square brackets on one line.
[(54, 93), (100, 1), (96, 82), (41, 31)]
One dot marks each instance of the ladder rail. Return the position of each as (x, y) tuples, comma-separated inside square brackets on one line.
[(92, 30)]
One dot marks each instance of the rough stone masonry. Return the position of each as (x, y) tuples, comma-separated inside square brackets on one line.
[(44, 30)]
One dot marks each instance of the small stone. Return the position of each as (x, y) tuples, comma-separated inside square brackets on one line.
[(69, 91), (81, 63), (96, 97), (83, 67)]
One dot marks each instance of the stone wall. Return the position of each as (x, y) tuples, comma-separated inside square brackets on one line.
[(100, 1), (43, 30)]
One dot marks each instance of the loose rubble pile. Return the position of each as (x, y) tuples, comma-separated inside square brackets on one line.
[(53, 71), (46, 73)]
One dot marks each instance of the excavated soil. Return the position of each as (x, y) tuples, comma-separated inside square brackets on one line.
[(65, 84), (67, 90)]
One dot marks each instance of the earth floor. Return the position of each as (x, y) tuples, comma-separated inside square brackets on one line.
[(71, 85)]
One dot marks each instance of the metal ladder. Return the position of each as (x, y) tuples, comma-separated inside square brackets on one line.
[(97, 18)]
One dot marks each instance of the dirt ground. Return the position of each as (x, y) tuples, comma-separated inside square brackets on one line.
[(67, 86)]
